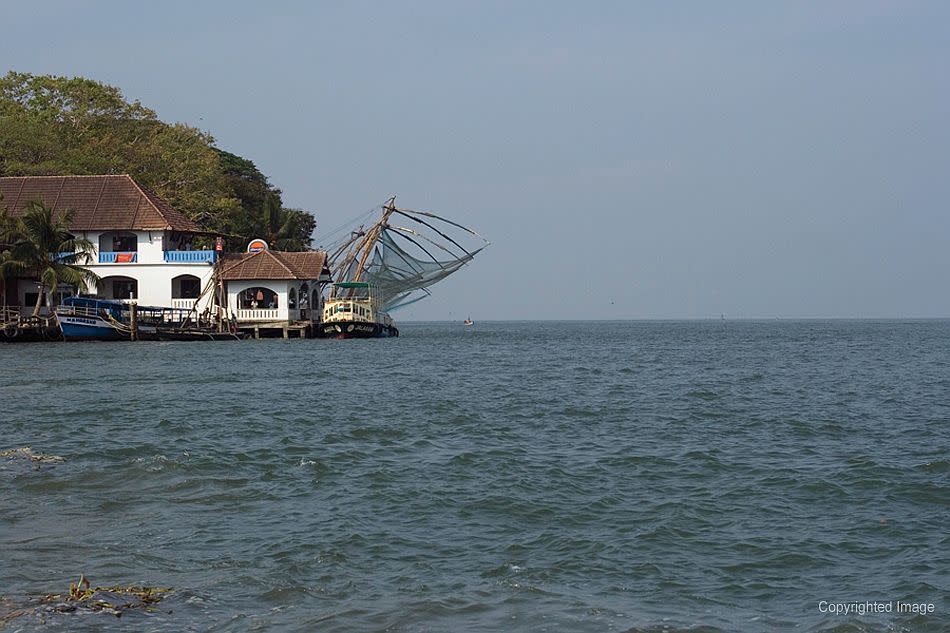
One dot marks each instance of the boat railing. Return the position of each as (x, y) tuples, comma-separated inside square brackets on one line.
[(80, 311)]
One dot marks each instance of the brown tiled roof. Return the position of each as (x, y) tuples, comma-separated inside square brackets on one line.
[(306, 264), (99, 203), (275, 265)]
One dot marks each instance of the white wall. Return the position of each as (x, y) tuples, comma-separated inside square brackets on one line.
[(151, 245), (151, 272), (234, 288), (155, 280)]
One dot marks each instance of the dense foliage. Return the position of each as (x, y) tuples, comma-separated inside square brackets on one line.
[(61, 125)]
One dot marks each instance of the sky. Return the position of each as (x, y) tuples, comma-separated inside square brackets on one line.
[(626, 159)]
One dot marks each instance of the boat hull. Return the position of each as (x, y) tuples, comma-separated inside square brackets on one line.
[(86, 328), (357, 329)]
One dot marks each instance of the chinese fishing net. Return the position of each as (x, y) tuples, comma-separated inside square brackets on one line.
[(406, 260)]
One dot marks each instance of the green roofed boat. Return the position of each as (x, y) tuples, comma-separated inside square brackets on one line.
[(354, 311), (386, 266)]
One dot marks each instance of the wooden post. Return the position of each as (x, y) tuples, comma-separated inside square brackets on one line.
[(134, 321)]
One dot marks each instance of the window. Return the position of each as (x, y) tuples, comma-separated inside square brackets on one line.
[(124, 242), (29, 299), (254, 298), (292, 300), (124, 288), (189, 287)]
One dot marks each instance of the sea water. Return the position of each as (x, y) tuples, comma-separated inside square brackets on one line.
[(515, 476)]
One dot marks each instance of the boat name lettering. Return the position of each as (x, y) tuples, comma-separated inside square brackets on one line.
[(79, 320)]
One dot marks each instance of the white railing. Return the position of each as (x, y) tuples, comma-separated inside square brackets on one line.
[(184, 304), (80, 311), (258, 314)]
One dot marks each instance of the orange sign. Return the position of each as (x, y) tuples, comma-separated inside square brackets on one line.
[(256, 246)]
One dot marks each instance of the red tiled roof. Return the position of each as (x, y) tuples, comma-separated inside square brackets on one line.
[(99, 203), (306, 265)]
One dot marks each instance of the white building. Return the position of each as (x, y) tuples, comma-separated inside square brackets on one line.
[(146, 251), (269, 287)]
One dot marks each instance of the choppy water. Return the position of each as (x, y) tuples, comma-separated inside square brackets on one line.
[(644, 476)]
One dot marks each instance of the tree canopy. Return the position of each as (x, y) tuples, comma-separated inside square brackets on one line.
[(71, 125)]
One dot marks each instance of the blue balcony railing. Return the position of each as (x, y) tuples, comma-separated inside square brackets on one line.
[(190, 257), (118, 257)]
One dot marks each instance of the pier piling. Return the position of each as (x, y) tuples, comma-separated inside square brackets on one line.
[(134, 322)]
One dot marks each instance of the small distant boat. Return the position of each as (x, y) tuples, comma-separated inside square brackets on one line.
[(468, 321)]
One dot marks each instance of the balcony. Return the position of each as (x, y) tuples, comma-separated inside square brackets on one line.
[(118, 257), (80, 257), (191, 257), (258, 314), (184, 304)]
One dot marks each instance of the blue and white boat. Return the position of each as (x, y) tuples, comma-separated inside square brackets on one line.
[(91, 319)]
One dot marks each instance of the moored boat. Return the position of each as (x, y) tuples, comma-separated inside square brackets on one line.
[(91, 319), (354, 311), (385, 266)]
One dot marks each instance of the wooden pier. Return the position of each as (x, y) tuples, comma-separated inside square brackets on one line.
[(278, 329), (15, 327)]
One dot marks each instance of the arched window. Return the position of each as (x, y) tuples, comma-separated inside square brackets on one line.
[(315, 299), (116, 287), (304, 296), (186, 287), (118, 242), (292, 299), (257, 297)]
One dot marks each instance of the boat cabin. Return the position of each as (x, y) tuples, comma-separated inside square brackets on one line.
[(354, 301)]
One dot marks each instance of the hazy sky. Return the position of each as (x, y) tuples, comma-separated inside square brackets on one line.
[(626, 159)]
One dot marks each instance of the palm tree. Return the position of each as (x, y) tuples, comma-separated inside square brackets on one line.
[(284, 229), (40, 243)]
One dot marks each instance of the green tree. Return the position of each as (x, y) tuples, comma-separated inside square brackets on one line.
[(63, 125), (40, 243), (70, 125), (262, 214)]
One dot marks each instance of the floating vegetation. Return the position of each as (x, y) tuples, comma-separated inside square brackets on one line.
[(82, 596), (26, 453)]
